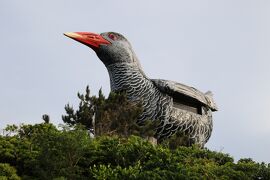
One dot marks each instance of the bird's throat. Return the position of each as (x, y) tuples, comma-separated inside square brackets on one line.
[(126, 77)]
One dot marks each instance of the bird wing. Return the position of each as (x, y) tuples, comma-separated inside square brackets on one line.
[(180, 91)]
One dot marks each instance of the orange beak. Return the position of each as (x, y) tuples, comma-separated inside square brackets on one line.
[(92, 40)]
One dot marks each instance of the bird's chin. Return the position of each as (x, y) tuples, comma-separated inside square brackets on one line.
[(94, 48)]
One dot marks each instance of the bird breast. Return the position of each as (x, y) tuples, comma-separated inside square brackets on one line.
[(128, 77)]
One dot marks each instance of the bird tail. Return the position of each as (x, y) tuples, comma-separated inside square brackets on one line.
[(210, 100)]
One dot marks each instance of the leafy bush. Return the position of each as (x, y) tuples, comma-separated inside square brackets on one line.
[(120, 149), (46, 152), (7, 172), (115, 115)]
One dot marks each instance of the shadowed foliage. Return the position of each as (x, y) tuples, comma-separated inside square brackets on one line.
[(115, 115), (119, 150), (42, 151)]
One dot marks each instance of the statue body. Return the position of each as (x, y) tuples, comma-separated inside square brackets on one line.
[(176, 107)]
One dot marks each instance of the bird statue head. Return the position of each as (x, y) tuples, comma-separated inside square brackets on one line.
[(110, 47)]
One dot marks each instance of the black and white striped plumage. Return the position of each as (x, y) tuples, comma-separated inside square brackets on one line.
[(177, 107)]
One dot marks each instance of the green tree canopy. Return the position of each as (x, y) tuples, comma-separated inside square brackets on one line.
[(114, 115), (42, 151), (119, 150)]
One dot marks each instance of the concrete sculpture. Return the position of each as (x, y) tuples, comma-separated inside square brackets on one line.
[(177, 107)]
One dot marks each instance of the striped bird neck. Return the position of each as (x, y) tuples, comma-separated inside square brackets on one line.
[(130, 78), (126, 76)]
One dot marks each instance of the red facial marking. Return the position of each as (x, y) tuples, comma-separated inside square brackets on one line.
[(112, 36)]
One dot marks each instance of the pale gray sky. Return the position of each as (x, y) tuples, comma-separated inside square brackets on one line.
[(218, 45)]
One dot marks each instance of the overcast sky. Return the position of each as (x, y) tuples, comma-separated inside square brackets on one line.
[(218, 45)]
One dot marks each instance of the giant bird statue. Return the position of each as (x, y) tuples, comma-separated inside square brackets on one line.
[(176, 107)]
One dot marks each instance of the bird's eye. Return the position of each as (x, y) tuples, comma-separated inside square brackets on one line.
[(112, 36)]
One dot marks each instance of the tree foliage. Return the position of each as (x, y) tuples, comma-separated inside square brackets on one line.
[(86, 112), (8, 172), (119, 150), (42, 151), (115, 115)]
